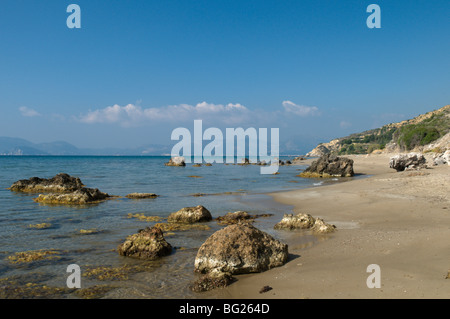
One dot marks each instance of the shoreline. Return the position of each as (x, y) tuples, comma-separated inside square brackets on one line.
[(397, 220)]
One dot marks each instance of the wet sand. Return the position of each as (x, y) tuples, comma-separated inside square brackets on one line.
[(397, 220)]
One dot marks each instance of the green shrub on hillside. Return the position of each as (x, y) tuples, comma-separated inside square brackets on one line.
[(411, 136)]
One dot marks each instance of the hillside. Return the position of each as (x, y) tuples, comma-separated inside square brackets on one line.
[(426, 132), (16, 146)]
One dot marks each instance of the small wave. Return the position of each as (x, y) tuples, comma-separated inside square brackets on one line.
[(318, 184)]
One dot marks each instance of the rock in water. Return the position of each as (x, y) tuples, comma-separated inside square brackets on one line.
[(176, 161), (190, 215), (234, 218), (61, 183), (79, 197), (409, 161), (238, 249), (148, 243), (141, 195), (212, 280), (330, 166)]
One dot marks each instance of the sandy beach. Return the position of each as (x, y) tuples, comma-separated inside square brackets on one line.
[(397, 220)]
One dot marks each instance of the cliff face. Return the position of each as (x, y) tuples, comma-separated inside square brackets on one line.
[(426, 132)]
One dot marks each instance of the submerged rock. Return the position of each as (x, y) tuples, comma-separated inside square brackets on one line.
[(176, 161), (171, 227), (238, 249), (190, 215), (330, 166), (408, 161), (148, 243), (234, 218), (239, 217), (61, 183), (141, 195), (34, 255), (212, 280), (79, 197), (304, 221)]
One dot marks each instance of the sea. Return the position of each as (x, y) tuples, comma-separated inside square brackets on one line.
[(88, 236)]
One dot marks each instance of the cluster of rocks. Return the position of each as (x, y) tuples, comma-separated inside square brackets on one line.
[(329, 166), (406, 162), (64, 189), (235, 249), (180, 161), (61, 189)]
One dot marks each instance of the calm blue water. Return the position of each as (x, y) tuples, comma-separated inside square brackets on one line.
[(167, 278)]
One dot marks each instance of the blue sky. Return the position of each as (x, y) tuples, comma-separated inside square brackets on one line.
[(136, 70)]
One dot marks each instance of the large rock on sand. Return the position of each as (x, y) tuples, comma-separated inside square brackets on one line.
[(411, 161), (61, 183), (238, 249), (190, 215), (148, 243), (330, 166)]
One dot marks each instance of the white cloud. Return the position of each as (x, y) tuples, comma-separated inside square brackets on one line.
[(300, 110), (229, 114), (134, 114), (26, 111)]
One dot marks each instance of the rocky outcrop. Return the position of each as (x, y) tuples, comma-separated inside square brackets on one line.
[(61, 183), (320, 150), (190, 215), (442, 159), (141, 195), (176, 161), (304, 221), (330, 166), (238, 249), (79, 197), (148, 243), (410, 161)]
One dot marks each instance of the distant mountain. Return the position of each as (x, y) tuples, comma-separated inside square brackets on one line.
[(18, 146), (426, 132)]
